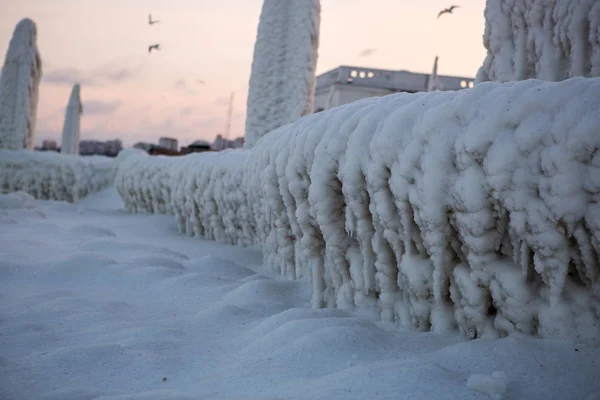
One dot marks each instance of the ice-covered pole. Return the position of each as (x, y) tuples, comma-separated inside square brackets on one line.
[(71, 129), (282, 80), (432, 84), (551, 40), (19, 88)]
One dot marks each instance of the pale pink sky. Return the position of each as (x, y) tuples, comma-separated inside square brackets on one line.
[(128, 94)]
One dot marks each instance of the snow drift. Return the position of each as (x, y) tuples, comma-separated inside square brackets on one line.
[(282, 79), (474, 209), (19, 88), (545, 39), (53, 176), (71, 130)]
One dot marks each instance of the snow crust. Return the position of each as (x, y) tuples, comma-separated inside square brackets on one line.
[(53, 176), (550, 40), (19, 88), (71, 129), (99, 304), (493, 385), (474, 210), (282, 79)]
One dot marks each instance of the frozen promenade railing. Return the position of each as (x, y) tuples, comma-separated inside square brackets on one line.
[(474, 210)]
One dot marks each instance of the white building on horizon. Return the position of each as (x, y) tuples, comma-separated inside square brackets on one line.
[(346, 84)]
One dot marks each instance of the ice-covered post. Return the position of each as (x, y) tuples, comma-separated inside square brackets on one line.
[(19, 88), (282, 80), (551, 40), (71, 129), (433, 84)]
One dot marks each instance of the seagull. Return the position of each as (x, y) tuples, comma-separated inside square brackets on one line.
[(200, 81), (366, 52), (154, 46), (150, 22), (447, 10)]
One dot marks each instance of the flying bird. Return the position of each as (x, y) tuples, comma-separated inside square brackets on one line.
[(447, 10), (366, 52), (200, 81), (150, 21), (154, 46)]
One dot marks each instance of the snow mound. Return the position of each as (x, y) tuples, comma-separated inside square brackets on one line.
[(550, 40), (53, 176), (71, 129), (433, 210), (19, 88), (282, 80), (493, 385), (16, 200)]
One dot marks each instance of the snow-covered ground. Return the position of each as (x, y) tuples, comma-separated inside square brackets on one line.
[(97, 303)]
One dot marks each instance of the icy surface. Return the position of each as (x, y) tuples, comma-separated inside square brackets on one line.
[(474, 210), (53, 176), (550, 40), (282, 80), (19, 88), (99, 304), (71, 129), (493, 385)]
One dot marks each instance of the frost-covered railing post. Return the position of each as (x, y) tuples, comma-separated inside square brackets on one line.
[(433, 85), (19, 86), (282, 81), (551, 40), (71, 129)]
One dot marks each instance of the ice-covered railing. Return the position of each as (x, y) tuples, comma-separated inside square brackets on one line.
[(474, 209), (19, 88), (545, 39), (53, 176)]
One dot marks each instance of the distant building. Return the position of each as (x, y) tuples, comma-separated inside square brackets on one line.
[(347, 84), (197, 146), (49, 145), (168, 143), (221, 143), (109, 148)]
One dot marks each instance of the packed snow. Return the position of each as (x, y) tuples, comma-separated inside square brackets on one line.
[(434, 211), (282, 79), (19, 88), (71, 130), (100, 304), (550, 40), (54, 176)]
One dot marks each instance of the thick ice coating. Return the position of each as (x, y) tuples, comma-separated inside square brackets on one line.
[(19, 88), (474, 210), (550, 40), (72, 127), (282, 80)]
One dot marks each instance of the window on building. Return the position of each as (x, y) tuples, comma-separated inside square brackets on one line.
[(362, 74), (471, 84), (370, 74), (353, 74), (463, 84)]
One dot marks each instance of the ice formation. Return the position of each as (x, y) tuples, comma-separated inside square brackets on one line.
[(71, 129), (53, 176), (550, 40), (493, 385), (282, 80), (433, 84), (435, 210), (19, 86)]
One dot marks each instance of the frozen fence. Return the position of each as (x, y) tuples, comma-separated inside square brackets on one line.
[(474, 210), (53, 176)]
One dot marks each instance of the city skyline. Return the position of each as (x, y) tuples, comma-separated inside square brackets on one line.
[(183, 90)]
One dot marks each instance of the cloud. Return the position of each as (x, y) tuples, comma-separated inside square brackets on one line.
[(181, 84), (95, 77), (96, 107)]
